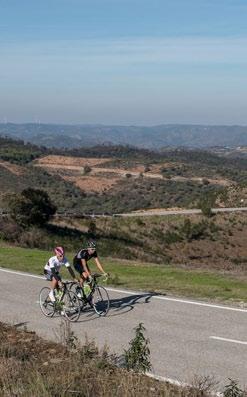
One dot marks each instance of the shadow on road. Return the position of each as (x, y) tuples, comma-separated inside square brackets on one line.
[(23, 324), (118, 306), (121, 306)]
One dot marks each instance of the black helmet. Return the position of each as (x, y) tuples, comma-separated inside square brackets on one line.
[(91, 244)]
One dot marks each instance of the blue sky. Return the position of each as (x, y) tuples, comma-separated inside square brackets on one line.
[(138, 62)]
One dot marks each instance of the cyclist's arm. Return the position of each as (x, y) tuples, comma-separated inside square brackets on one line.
[(85, 268), (55, 274), (99, 266), (70, 270)]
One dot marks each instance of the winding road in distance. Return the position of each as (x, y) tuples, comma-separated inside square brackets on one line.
[(159, 212), (187, 337), (179, 212)]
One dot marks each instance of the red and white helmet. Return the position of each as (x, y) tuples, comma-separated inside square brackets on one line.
[(59, 251)]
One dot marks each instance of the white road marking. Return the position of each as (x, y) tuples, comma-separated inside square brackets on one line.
[(163, 379), (211, 305), (177, 383), (126, 292), (228, 340), (21, 273)]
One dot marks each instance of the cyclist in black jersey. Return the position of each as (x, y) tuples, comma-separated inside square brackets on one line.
[(82, 257)]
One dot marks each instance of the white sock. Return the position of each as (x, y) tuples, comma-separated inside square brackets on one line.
[(51, 295)]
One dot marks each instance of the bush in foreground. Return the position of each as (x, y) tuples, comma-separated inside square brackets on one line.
[(31, 366), (137, 357)]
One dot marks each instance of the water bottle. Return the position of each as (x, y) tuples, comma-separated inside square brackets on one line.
[(58, 294), (86, 289)]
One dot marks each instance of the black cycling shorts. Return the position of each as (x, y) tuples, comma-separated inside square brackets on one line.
[(78, 266), (50, 276)]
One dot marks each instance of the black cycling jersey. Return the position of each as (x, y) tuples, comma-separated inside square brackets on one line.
[(84, 254)]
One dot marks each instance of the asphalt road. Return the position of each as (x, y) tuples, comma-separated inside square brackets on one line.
[(165, 212), (187, 338)]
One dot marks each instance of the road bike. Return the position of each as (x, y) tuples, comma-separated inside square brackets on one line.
[(66, 303), (97, 297)]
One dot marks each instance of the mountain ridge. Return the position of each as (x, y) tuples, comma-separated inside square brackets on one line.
[(150, 137)]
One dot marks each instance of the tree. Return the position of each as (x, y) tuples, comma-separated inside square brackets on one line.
[(31, 207), (206, 203), (147, 168), (87, 169)]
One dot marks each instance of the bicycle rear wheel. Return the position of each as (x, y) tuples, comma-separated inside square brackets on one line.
[(100, 301), (71, 306), (46, 305)]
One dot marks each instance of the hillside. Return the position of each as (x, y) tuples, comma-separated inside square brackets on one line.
[(119, 179), (18, 173), (18, 152), (111, 180), (154, 137), (171, 179)]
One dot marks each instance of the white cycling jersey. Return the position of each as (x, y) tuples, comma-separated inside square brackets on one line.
[(55, 263)]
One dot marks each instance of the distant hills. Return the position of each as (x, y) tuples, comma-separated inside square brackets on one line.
[(123, 178), (155, 137)]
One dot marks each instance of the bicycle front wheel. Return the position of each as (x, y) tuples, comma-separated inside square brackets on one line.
[(71, 306), (100, 301), (45, 303)]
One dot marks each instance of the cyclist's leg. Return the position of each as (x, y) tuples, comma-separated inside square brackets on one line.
[(53, 286), (49, 277), (79, 269), (78, 288)]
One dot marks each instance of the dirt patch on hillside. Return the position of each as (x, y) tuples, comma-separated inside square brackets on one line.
[(220, 182), (101, 178), (158, 210), (67, 161), (156, 168), (13, 168), (93, 184)]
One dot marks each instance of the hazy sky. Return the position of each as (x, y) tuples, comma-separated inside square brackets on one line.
[(126, 62)]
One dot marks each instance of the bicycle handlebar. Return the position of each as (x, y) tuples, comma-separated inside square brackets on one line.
[(97, 275)]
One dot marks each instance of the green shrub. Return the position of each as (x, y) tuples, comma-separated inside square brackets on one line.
[(137, 357), (171, 237), (194, 231), (232, 390), (87, 169)]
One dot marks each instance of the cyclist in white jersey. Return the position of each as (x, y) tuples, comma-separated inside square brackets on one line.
[(52, 267)]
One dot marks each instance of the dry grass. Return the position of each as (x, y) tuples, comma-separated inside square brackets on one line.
[(31, 366), (221, 247), (13, 168)]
